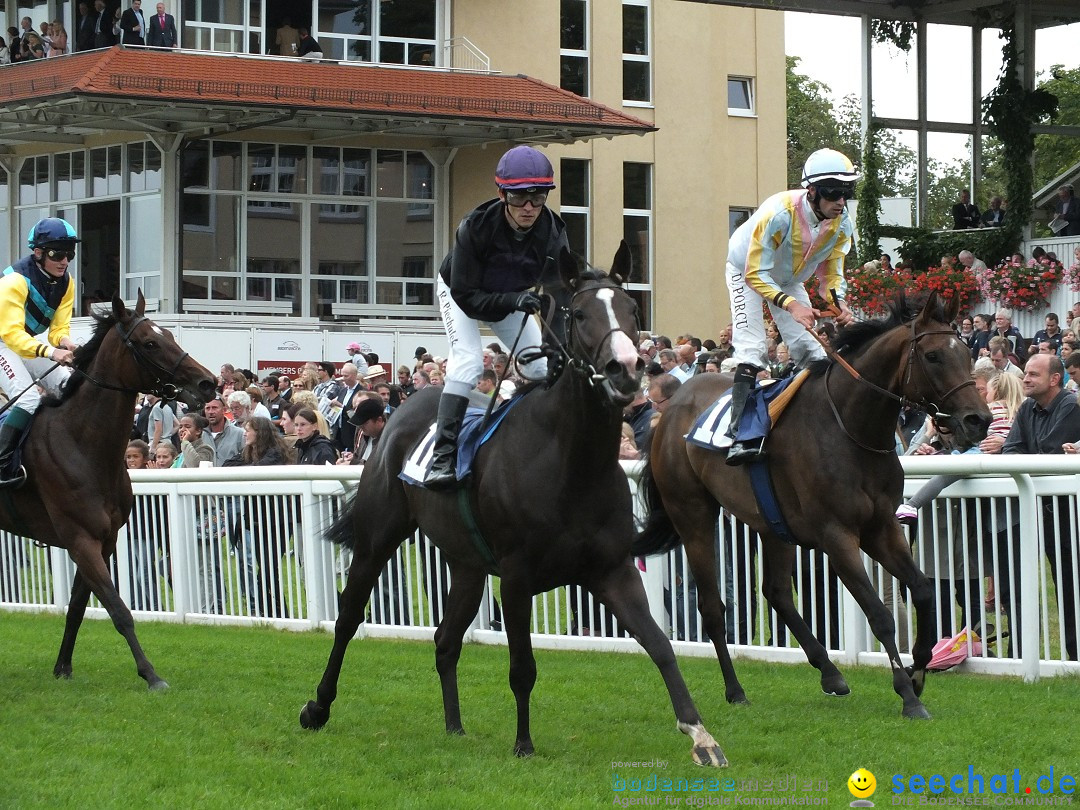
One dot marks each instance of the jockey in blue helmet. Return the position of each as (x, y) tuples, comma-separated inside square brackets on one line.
[(502, 252), (36, 298)]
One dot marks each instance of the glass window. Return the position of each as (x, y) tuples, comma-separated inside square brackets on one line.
[(574, 209), (390, 173), (339, 253), (226, 168), (412, 20), (636, 186), (34, 181), (740, 95), (211, 228), (420, 177), (637, 65), (356, 170), (736, 217), (195, 165), (574, 46), (143, 268), (62, 164), (401, 238), (136, 167), (115, 163)]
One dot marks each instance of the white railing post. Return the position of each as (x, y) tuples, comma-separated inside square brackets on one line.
[(318, 561), (61, 577), (182, 541), (1030, 548)]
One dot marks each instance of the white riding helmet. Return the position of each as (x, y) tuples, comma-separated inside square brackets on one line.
[(828, 164)]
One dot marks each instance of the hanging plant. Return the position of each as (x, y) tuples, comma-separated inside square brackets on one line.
[(898, 33)]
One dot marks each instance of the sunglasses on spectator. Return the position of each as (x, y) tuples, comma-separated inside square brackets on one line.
[(517, 199), (834, 193), (58, 255)]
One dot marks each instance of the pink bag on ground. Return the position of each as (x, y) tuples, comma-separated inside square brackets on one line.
[(951, 651)]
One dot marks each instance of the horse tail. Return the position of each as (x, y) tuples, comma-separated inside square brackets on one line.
[(657, 534), (342, 531)]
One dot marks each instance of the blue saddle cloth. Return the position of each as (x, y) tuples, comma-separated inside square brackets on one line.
[(474, 433), (710, 428)]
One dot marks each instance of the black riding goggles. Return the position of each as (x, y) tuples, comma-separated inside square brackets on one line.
[(517, 199), (57, 255), (834, 193)]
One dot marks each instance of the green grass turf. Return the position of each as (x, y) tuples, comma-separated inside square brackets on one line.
[(226, 734)]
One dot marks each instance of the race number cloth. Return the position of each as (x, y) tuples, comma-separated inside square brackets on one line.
[(418, 462)]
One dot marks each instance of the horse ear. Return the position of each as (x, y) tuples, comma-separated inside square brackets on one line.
[(569, 269), (118, 309), (140, 307), (931, 307), (622, 265), (952, 308)]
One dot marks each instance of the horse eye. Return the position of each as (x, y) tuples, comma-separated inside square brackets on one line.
[(150, 345), (579, 315), (933, 357)]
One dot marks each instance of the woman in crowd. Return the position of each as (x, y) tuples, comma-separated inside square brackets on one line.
[(58, 44), (263, 527), (165, 457), (5, 54), (307, 399), (32, 47), (311, 446)]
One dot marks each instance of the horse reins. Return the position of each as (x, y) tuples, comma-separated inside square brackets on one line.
[(163, 389), (925, 404)]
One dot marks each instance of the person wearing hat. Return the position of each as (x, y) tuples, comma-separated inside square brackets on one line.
[(37, 297), (793, 235), (357, 358), (368, 419), (503, 251), (375, 374)]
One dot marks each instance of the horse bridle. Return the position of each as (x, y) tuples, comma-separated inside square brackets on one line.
[(924, 403), (162, 388)]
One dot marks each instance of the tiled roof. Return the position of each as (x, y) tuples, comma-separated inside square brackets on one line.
[(369, 90)]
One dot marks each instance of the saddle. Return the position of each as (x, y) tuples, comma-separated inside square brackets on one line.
[(764, 407), (474, 433)]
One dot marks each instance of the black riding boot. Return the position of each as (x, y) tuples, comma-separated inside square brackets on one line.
[(745, 380), (9, 440), (443, 473)]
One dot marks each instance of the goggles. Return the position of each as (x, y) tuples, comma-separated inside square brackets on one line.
[(517, 199), (834, 193), (57, 255)]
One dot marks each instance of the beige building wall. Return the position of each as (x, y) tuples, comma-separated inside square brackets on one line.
[(704, 161)]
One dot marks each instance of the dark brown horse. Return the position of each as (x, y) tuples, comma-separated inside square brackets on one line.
[(77, 492), (837, 479), (550, 502)]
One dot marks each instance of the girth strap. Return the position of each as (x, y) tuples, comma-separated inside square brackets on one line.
[(765, 493), (477, 537)]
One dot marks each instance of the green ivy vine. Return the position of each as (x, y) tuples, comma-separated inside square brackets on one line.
[(867, 220)]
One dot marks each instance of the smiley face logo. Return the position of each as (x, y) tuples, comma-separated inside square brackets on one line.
[(862, 784)]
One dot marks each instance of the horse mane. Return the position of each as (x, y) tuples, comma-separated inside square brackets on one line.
[(857, 336), (84, 356)]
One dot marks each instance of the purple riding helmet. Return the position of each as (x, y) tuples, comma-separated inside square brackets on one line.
[(524, 168)]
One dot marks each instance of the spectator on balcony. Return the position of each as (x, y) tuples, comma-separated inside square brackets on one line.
[(58, 45), (84, 28), (161, 30), (994, 216), (965, 213), (32, 47), (288, 39), (1067, 210), (133, 25), (1003, 327), (309, 48), (971, 262)]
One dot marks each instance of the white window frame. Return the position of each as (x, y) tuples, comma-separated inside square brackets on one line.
[(584, 210), (583, 53), (743, 112)]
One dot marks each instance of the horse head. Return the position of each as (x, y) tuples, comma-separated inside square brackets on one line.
[(164, 368), (938, 374), (603, 329)]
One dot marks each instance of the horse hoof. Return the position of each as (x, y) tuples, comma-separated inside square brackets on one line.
[(455, 731), (738, 698), (313, 716), (709, 756), (64, 673), (523, 749), (916, 712), (159, 686), (835, 687)]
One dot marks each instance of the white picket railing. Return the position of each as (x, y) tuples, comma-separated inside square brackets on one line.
[(243, 546)]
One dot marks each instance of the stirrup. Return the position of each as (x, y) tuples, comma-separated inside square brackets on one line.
[(743, 451), (16, 480)]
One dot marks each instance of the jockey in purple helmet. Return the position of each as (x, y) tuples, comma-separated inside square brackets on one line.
[(502, 251), (37, 297)]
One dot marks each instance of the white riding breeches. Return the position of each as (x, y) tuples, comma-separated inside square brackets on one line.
[(748, 324), (465, 362), (17, 375)]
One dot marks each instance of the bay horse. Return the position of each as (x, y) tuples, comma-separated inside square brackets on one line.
[(77, 494), (837, 480), (548, 497)]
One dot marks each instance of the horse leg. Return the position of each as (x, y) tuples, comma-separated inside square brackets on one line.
[(517, 610), (890, 548), (701, 554), (847, 562), (778, 559), (80, 596), (466, 590), (363, 574), (621, 590), (90, 556)]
